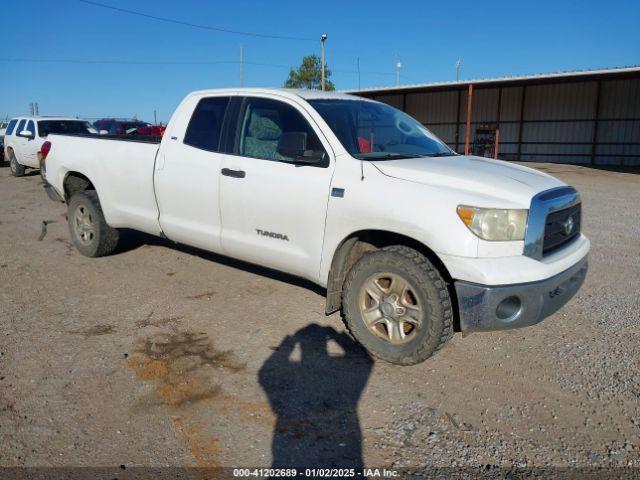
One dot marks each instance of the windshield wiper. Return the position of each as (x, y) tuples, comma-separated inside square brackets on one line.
[(440, 154), (391, 156)]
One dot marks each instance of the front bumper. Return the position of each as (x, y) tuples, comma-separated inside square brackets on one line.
[(485, 308)]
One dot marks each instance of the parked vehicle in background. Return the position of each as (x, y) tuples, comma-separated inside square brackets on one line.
[(152, 130), (3, 129), (114, 126), (408, 237), (25, 138)]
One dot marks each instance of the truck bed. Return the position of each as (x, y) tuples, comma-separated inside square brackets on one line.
[(124, 138), (121, 170)]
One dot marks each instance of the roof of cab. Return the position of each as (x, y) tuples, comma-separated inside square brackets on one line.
[(285, 92)]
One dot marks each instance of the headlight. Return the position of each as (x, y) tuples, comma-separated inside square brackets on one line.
[(494, 224)]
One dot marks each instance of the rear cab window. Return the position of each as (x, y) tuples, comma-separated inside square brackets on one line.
[(205, 127)]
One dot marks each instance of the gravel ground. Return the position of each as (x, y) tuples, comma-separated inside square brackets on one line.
[(163, 355)]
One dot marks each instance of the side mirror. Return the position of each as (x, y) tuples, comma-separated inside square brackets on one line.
[(292, 144), (104, 132), (26, 134)]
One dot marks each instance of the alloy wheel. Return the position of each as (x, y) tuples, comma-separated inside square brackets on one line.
[(389, 307), (83, 224)]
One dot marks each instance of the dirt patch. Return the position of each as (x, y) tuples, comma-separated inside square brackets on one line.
[(95, 331), (202, 296), (149, 321), (204, 448), (176, 346), (69, 247), (180, 364)]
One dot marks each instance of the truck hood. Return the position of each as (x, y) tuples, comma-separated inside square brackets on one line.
[(480, 175)]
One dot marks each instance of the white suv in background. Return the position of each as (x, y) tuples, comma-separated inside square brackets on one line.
[(25, 136), (3, 128)]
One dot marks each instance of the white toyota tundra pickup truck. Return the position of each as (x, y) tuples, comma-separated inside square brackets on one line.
[(411, 240)]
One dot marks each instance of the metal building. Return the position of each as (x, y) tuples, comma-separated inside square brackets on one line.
[(587, 117)]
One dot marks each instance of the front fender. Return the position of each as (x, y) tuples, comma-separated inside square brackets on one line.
[(426, 214)]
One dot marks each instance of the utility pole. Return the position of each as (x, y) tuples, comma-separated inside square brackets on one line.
[(323, 38), (458, 63), (241, 65), (155, 118), (32, 110), (398, 67), (37, 109)]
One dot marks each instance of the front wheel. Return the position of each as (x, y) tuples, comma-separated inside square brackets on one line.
[(397, 305), (17, 170), (89, 231)]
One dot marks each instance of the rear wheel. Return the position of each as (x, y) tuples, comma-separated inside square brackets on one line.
[(396, 304), (89, 231), (17, 170)]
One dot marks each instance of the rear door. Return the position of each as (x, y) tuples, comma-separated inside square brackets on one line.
[(187, 172), (272, 208)]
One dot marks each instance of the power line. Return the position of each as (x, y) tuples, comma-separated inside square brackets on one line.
[(162, 62), (113, 62), (195, 25)]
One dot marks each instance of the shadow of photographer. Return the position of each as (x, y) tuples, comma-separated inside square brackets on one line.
[(313, 388)]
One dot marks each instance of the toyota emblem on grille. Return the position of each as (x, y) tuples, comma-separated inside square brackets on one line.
[(568, 226)]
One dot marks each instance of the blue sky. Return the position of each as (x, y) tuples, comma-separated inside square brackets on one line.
[(498, 38)]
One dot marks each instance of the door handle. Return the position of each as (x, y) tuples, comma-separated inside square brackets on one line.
[(227, 172)]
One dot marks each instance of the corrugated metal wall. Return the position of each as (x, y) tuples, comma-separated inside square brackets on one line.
[(619, 127), (586, 122)]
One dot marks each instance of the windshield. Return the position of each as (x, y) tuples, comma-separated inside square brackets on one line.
[(375, 131), (45, 127)]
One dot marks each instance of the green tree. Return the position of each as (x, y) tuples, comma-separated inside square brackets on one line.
[(309, 75)]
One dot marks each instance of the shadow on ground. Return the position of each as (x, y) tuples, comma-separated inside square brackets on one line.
[(132, 240), (314, 380)]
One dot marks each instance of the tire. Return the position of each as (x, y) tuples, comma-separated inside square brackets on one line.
[(401, 338), (89, 231), (17, 170)]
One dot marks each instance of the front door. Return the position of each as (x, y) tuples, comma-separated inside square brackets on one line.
[(19, 143), (273, 206), (31, 148)]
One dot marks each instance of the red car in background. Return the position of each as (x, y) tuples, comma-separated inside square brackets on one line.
[(128, 127)]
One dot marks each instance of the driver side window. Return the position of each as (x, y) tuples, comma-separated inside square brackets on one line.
[(262, 126)]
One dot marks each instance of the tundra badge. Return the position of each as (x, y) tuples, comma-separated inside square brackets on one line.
[(278, 236)]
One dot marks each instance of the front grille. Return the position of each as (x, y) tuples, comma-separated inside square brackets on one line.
[(561, 227)]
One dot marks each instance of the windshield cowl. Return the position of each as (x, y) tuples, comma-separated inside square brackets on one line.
[(401, 156)]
